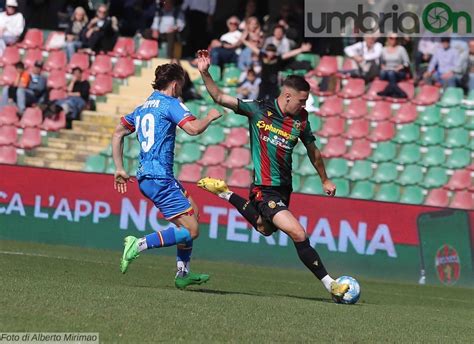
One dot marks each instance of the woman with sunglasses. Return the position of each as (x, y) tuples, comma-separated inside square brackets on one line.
[(395, 61)]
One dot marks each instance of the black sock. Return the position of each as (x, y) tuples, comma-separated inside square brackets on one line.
[(245, 208), (310, 258)]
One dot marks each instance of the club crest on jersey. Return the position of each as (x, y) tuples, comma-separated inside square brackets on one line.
[(269, 113), (297, 125), (272, 204)]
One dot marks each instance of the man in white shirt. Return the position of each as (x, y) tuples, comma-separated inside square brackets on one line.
[(12, 24), (225, 49), (167, 25), (279, 39), (366, 56), (199, 14)]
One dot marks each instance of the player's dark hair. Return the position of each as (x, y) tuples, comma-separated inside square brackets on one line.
[(297, 83), (167, 73)]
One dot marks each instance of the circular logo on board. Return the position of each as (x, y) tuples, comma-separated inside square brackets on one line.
[(447, 264)]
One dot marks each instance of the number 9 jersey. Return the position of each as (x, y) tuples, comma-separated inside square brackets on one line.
[(155, 123)]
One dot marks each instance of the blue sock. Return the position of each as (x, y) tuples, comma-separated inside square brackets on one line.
[(183, 257), (168, 237)]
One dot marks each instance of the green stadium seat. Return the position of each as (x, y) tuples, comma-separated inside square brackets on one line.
[(306, 168), (452, 96), (311, 58), (388, 193), (432, 136), (312, 185), (194, 107), (300, 149), (434, 156), (386, 172), (435, 178), (363, 190), (342, 187), (187, 153), (212, 136), (215, 72), (95, 163), (296, 182), (361, 170), (183, 137), (409, 154), (133, 167), (110, 168), (456, 138), (408, 133), (430, 116), (470, 122), (133, 149), (456, 117), (231, 75), (315, 122), (412, 195), (233, 121), (385, 151), (337, 168), (469, 104), (459, 158), (107, 152), (411, 175)]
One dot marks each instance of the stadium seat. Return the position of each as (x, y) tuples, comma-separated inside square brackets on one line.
[(433, 156), (307, 57), (11, 56), (409, 154), (79, 60), (190, 173), (306, 168), (470, 123), (101, 65), (347, 66), (406, 114), (238, 157), (123, 68), (237, 137), (356, 109), (133, 149), (388, 193), (183, 137), (411, 175), (358, 129), (231, 75), (437, 198), (56, 60), (212, 136), (432, 136), (213, 155), (412, 195), (57, 79), (32, 117), (435, 178), (33, 39), (342, 187), (147, 50), (9, 76), (459, 158), (235, 121), (407, 133), (381, 111), (456, 138), (332, 106), (460, 180), (31, 56), (452, 96), (296, 182), (376, 87), (427, 95), (360, 149), (102, 85), (217, 172), (327, 66), (57, 94), (463, 200), (386, 172), (8, 155), (408, 88), (312, 185), (333, 126), (430, 116), (240, 177), (8, 135), (363, 190), (456, 117), (362, 170), (95, 163), (31, 138), (335, 147), (188, 152), (8, 115), (125, 46), (315, 122), (110, 165), (55, 41), (300, 149), (337, 168), (385, 151), (383, 131), (353, 89)]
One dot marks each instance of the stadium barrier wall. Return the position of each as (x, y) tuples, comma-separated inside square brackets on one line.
[(360, 238)]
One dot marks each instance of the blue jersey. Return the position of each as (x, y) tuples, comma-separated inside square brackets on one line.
[(155, 123)]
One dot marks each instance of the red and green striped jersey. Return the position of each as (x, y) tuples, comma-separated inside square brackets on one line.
[(273, 136)]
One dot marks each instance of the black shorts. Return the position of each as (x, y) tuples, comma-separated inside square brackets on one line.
[(270, 200)]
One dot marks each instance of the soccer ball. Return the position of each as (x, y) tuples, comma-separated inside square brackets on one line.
[(353, 294)]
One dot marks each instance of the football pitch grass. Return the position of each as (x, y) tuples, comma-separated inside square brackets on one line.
[(66, 289)]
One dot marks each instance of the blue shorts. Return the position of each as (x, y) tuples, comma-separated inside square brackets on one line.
[(168, 195)]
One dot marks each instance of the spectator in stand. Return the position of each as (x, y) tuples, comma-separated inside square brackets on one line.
[(249, 12), (17, 92), (426, 49), (76, 25), (12, 24), (36, 91), (279, 40), (252, 29), (366, 55), (443, 64), (199, 14), (102, 31), (250, 87), (224, 50), (289, 21), (471, 65), (247, 58), (78, 96), (167, 26)]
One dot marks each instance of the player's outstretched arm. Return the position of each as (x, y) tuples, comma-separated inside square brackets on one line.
[(216, 93), (198, 126), (316, 159), (121, 177)]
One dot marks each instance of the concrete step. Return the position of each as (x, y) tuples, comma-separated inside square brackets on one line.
[(59, 143), (106, 129), (56, 154), (90, 137), (119, 109), (63, 165), (100, 117)]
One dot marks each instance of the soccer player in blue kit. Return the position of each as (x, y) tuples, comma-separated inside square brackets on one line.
[(155, 124)]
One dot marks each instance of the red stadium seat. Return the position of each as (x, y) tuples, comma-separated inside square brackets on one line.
[(79, 60), (33, 39), (32, 55), (408, 88), (437, 198), (32, 117), (124, 46), (384, 131), (57, 79), (406, 114), (147, 50), (240, 177), (55, 41), (460, 180), (238, 157), (360, 150), (123, 68), (11, 56), (31, 138), (55, 124), (8, 76), (101, 65), (327, 66), (213, 155), (376, 86), (217, 172), (102, 85), (427, 95), (8, 155), (356, 109), (381, 111), (56, 94), (236, 138), (8, 115), (353, 89), (8, 135), (56, 60), (348, 65), (358, 129), (332, 106), (463, 200), (333, 126), (190, 173), (335, 147)]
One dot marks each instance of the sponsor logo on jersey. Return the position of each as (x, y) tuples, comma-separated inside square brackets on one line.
[(272, 129), (448, 264)]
